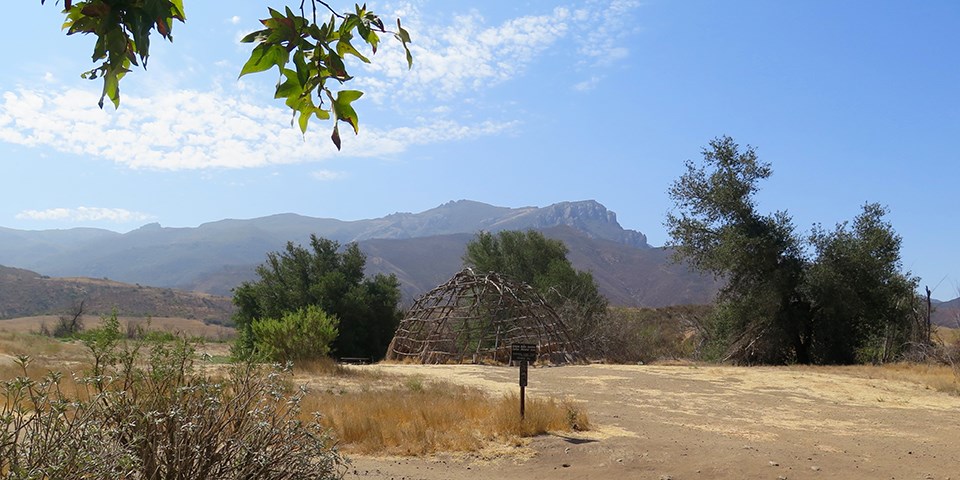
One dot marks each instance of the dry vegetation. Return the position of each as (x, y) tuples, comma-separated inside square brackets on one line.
[(420, 418), (941, 378), (366, 411), (187, 327)]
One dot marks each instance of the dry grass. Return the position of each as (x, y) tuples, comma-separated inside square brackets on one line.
[(949, 336), (190, 328), (420, 419), (941, 378)]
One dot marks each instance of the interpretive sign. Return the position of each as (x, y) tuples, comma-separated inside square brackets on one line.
[(523, 353)]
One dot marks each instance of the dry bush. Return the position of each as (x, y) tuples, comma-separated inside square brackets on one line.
[(322, 366), (421, 419), (630, 335), (152, 416)]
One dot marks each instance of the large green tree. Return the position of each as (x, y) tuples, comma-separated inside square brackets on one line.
[(542, 263), (309, 54), (849, 302), (327, 277), (716, 228)]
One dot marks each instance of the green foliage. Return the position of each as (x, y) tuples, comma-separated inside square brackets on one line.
[(542, 263), (156, 416), (306, 53), (329, 279), (850, 303), (861, 298), (123, 31), (301, 335)]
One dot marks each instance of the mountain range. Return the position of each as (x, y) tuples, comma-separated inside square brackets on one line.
[(423, 249)]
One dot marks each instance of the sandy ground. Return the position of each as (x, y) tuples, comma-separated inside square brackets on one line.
[(708, 422)]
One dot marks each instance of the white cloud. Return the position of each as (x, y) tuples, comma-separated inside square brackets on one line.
[(234, 20), (466, 55), (327, 175), (588, 84), (469, 55), (608, 26), (84, 214), (184, 130)]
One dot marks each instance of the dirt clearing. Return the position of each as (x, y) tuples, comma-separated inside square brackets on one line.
[(708, 422)]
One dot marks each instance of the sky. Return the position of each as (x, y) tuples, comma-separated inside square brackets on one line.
[(511, 103)]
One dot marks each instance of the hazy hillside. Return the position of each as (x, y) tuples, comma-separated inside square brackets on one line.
[(26, 293), (216, 256), (947, 314), (626, 275)]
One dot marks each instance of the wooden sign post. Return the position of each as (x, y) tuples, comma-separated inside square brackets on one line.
[(523, 353)]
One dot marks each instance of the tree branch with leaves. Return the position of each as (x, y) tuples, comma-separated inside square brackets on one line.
[(309, 55)]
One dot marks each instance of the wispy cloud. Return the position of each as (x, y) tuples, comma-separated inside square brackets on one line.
[(609, 24), (327, 175), (84, 214), (588, 84), (180, 129), (185, 129), (469, 55)]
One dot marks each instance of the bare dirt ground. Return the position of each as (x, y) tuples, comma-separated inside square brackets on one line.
[(707, 422)]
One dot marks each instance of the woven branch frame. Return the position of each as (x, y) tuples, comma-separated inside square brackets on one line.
[(475, 318)]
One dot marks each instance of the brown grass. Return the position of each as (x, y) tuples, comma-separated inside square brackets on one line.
[(418, 419), (190, 328), (941, 378)]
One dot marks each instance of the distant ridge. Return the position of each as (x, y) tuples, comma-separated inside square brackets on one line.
[(422, 249), (26, 293)]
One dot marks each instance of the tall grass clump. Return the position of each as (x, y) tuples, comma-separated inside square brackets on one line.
[(145, 411), (423, 418)]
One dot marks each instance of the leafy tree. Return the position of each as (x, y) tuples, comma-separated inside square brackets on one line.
[(864, 308), (304, 334), (307, 53), (848, 303), (718, 230), (542, 263), (327, 278)]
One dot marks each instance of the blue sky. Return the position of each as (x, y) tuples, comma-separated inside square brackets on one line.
[(510, 103)]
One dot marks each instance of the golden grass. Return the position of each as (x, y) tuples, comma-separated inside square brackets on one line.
[(941, 378), (190, 328), (949, 336), (15, 344), (419, 419)]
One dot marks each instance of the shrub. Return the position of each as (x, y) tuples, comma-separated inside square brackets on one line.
[(153, 416), (646, 334), (301, 335)]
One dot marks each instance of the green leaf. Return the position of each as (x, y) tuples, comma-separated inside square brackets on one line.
[(403, 35), (111, 89), (177, 10), (344, 47), (404, 38), (344, 110), (289, 88), (303, 120), (303, 70), (263, 57), (257, 36)]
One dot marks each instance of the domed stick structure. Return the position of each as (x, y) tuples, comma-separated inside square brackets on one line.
[(476, 318)]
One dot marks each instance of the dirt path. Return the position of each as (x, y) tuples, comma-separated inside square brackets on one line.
[(657, 422)]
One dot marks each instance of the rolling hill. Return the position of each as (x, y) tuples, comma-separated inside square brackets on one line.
[(25, 293)]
